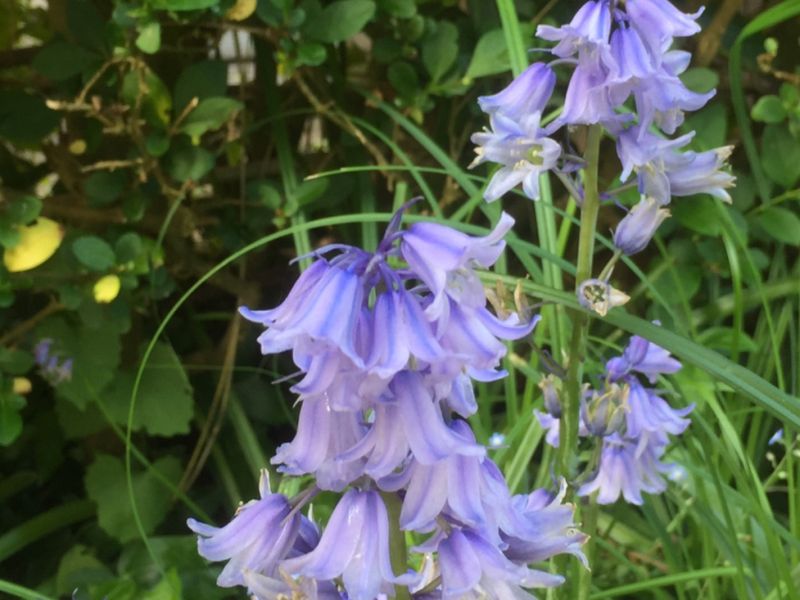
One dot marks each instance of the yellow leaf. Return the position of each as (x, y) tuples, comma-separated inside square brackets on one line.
[(22, 386), (106, 289), (241, 10), (37, 243)]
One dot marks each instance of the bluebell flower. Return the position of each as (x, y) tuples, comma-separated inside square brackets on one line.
[(542, 526), (598, 296), (589, 99), (261, 587), (647, 411), (355, 547), (776, 438), (53, 366), (444, 260), (523, 151), (603, 413), (589, 28), (629, 467), (528, 93), (664, 172), (642, 356), (323, 434), (259, 536), (639, 226), (659, 21), (473, 567)]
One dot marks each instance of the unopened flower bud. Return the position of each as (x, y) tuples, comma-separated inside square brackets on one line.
[(550, 389), (604, 414), (636, 230)]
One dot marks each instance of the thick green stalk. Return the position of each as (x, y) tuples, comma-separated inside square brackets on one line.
[(570, 409), (397, 543)]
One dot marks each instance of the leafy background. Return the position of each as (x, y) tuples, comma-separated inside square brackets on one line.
[(192, 148)]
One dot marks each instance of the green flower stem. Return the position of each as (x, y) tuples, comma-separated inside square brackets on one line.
[(397, 543), (570, 409)]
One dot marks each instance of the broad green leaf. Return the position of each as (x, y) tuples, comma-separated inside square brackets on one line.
[(311, 54), (24, 118), (211, 113), (781, 224), (339, 20), (148, 90), (149, 38), (201, 80), (164, 403), (128, 247), (403, 78), (780, 155), (94, 253), (60, 60), (710, 125), (95, 357), (15, 362), (440, 49), (24, 209), (106, 486), (697, 213), (402, 9), (490, 56), (700, 79), (79, 567), (86, 25), (189, 163), (768, 109), (103, 187), (721, 338)]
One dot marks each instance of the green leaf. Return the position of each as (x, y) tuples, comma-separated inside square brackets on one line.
[(490, 56), (128, 247), (722, 338), (311, 54), (309, 191), (24, 118), (700, 79), (95, 357), (768, 109), (24, 209), (201, 80), (402, 9), (211, 113), (107, 487), (440, 49), (339, 20), (15, 362), (149, 38), (94, 253), (697, 213), (180, 5), (780, 155), (104, 187), (86, 25), (165, 401), (710, 125), (403, 78), (60, 60), (149, 90), (781, 224), (189, 163), (79, 567), (10, 420)]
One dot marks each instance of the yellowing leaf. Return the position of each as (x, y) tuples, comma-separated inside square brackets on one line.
[(37, 243), (241, 10), (106, 289)]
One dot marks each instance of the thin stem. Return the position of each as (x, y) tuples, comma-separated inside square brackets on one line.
[(571, 403), (397, 543), (570, 413)]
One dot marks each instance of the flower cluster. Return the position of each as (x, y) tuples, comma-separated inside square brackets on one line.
[(619, 51), (51, 365), (631, 422), (387, 345)]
